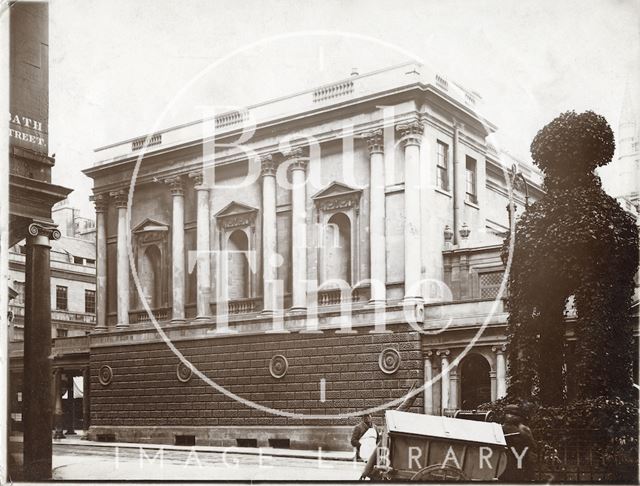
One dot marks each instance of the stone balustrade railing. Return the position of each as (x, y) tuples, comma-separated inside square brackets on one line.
[(138, 143), (160, 314), (244, 306), (333, 91)]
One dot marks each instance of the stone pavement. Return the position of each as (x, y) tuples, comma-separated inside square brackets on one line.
[(76, 459)]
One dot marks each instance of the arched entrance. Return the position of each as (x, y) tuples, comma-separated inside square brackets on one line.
[(475, 381)]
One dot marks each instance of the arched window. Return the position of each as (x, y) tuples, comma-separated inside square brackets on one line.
[(150, 276), (337, 248), (238, 277), (475, 381)]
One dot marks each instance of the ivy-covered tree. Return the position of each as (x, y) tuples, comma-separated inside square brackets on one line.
[(576, 240)]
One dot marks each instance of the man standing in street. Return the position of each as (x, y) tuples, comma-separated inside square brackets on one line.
[(521, 456), (359, 432)]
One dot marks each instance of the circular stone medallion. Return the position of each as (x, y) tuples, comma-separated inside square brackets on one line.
[(184, 372), (389, 360), (105, 375), (278, 366)]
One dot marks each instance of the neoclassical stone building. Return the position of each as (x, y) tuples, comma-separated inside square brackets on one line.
[(345, 250)]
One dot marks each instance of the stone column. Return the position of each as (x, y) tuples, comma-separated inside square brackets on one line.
[(444, 378), (459, 183), (177, 248), (71, 430), (86, 398), (58, 414), (428, 385), (269, 235), (101, 204), (298, 230), (203, 261), (501, 371), (453, 388), (36, 382), (411, 133), (494, 389), (122, 260), (377, 242)]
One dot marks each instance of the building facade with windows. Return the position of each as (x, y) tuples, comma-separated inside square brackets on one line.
[(73, 288), (347, 250)]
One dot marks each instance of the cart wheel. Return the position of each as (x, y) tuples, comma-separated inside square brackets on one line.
[(438, 472)]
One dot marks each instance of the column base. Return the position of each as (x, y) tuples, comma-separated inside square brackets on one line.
[(298, 310), (101, 329), (412, 300), (122, 326), (58, 434), (201, 319), (377, 302), (180, 320)]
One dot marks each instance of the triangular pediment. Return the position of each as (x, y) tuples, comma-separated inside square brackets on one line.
[(150, 225), (336, 189), (235, 208)]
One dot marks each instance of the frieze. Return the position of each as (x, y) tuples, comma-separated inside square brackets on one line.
[(236, 221), (337, 203)]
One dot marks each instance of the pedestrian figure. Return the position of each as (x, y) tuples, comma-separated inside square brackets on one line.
[(521, 455), (364, 437)]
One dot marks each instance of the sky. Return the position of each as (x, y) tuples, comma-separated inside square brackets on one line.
[(117, 65)]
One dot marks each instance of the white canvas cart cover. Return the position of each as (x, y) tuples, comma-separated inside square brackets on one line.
[(445, 428)]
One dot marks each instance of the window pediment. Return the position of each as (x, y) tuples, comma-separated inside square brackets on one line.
[(337, 196), (235, 215), (150, 225), (150, 231)]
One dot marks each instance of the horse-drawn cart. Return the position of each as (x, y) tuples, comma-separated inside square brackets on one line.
[(432, 448)]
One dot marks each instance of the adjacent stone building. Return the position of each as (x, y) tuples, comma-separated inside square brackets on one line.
[(346, 250)]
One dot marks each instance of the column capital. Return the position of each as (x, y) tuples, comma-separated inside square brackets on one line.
[(268, 166), (499, 349), (375, 141), (176, 185), (100, 201), (411, 132), (443, 353), (297, 159), (42, 229), (198, 180), (120, 198), (429, 354)]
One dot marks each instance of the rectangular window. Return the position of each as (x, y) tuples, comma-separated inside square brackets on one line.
[(472, 194), (443, 166), (62, 333), (78, 260), (490, 284), (61, 297), (90, 301)]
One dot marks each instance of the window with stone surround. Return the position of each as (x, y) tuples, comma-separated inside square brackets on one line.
[(337, 248), (90, 301), (471, 181), (237, 225), (442, 166), (61, 297), (338, 215), (490, 284)]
